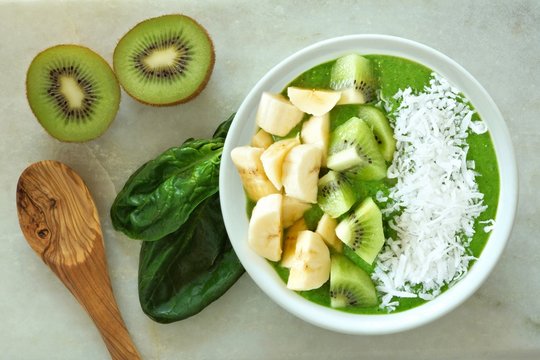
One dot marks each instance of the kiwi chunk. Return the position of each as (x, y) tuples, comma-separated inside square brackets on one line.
[(384, 135), (335, 195), (73, 92), (353, 147), (165, 60), (350, 286), (363, 231), (354, 72)]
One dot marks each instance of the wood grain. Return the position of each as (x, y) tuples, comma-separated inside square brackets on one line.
[(59, 220)]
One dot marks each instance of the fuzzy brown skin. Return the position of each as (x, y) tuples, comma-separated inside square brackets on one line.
[(203, 83), (115, 110)]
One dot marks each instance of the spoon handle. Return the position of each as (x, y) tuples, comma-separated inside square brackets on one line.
[(89, 282)]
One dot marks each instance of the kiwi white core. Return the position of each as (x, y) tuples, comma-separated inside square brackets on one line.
[(162, 58), (71, 90)]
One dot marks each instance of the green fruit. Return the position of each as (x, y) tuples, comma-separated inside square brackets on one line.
[(165, 60), (350, 286), (354, 72), (363, 231), (335, 195), (73, 92), (353, 148), (382, 131)]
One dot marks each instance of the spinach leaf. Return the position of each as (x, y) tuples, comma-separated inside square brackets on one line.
[(172, 202), (158, 198), (223, 128), (182, 273)]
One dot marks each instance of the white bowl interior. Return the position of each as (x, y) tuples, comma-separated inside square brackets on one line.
[(233, 198)]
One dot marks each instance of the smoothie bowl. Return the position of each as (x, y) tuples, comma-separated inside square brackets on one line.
[(368, 184)]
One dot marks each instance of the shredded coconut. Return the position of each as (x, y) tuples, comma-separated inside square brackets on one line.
[(379, 196), (435, 201), (490, 224)]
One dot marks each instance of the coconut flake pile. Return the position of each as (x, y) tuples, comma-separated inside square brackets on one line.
[(435, 201)]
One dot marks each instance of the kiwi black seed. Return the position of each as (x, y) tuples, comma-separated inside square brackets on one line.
[(73, 92), (165, 60)]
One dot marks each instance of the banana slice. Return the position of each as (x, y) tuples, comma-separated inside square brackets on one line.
[(272, 159), (312, 101), (262, 139), (247, 160), (351, 96), (293, 210), (326, 228), (264, 230), (276, 115), (301, 172), (316, 131), (311, 266), (289, 242)]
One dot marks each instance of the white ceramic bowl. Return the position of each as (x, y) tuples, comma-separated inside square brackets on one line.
[(233, 197)]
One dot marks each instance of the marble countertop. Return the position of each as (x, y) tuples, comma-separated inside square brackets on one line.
[(498, 42)]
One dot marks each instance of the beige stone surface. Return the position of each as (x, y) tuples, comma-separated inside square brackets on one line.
[(497, 41)]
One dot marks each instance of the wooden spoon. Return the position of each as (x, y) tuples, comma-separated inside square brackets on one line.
[(60, 222)]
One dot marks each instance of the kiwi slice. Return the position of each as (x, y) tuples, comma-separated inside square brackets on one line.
[(380, 126), (353, 147), (350, 286), (165, 60), (73, 92), (363, 231), (354, 71), (335, 195)]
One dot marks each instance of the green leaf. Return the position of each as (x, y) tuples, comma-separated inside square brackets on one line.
[(158, 198), (182, 273), (223, 128), (187, 260)]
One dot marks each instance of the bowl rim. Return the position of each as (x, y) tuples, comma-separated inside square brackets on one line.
[(235, 217)]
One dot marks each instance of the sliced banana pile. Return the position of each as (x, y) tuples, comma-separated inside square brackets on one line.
[(282, 178), (280, 174)]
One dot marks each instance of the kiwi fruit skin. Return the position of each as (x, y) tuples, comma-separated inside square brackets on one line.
[(120, 63), (363, 231), (350, 286), (378, 122), (40, 103), (335, 195), (356, 132)]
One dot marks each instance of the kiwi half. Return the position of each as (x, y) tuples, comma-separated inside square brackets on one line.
[(73, 92), (350, 286), (165, 60), (363, 231)]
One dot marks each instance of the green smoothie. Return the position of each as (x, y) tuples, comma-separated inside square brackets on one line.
[(396, 73)]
